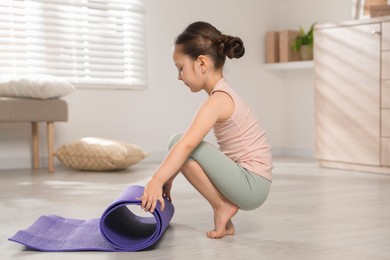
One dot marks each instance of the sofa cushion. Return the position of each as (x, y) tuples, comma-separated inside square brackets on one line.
[(34, 86)]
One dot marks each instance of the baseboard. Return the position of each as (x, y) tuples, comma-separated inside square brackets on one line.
[(19, 162), (153, 157), (24, 162), (354, 167)]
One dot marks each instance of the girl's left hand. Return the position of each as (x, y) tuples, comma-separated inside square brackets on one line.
[(167, 190), (153, 192)]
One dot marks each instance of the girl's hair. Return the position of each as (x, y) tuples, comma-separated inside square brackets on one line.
[(201, 38)]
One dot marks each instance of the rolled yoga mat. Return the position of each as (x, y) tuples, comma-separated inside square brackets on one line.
[(118, 229)]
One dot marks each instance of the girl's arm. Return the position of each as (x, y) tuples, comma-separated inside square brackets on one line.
[(217, 107)]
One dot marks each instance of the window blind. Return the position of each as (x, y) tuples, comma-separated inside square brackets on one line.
[(91, 43)]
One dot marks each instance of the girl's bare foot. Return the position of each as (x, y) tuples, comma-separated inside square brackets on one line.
[(222, 221), (230, 228)]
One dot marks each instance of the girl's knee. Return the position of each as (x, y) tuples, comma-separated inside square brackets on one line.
[(176, 137)]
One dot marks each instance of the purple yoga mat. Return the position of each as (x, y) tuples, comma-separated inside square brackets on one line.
[(118, 229)]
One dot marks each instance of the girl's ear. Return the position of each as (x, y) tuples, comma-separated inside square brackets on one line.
[(203, 62)]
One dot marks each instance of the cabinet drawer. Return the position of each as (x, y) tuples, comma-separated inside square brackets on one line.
[(385, 152), (385, 94), (386, 36), (385, 122), (386, 65)]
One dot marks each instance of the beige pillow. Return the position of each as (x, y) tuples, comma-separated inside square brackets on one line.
[(97, 154)]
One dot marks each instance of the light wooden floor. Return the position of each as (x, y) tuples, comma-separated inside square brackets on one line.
[(311, 213)]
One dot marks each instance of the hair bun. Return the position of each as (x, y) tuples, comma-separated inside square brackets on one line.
[(202, 38), (230, 46)]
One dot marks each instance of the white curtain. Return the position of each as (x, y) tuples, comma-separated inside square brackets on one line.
[(91, 43)]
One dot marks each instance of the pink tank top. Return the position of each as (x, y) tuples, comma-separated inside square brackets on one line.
[(241, 138)]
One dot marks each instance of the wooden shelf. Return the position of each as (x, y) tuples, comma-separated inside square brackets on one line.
[(289, 65)]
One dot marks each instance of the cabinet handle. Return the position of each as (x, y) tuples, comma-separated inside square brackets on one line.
[(374, 32)]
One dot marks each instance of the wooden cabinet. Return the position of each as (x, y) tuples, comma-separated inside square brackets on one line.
[(352, 81), (385, 95)]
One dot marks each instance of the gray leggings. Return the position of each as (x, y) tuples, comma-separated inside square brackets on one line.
[(242, 187)]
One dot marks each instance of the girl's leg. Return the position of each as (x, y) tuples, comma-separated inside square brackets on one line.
[(223, 209), (244, 189), (226, 185)]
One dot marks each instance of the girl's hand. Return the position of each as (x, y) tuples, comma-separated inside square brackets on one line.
[(167, 190), (152, 193)]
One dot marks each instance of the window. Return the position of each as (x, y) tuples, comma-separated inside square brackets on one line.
[(91, 43)]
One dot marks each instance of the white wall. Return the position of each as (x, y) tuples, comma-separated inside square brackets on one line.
[(298, 113), (282, 100)]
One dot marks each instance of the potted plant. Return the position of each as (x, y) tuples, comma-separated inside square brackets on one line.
[(303, 43)]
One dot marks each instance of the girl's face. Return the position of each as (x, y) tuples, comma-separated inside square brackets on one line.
[(188, 70)]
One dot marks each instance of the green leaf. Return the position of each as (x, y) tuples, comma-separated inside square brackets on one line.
[(303, 38)]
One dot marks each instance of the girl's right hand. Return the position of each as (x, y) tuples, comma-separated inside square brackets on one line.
[(152, 194)]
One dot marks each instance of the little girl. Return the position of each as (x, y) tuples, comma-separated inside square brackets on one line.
[(238, 174)]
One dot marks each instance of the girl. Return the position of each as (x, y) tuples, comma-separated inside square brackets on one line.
[(238, 176)]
